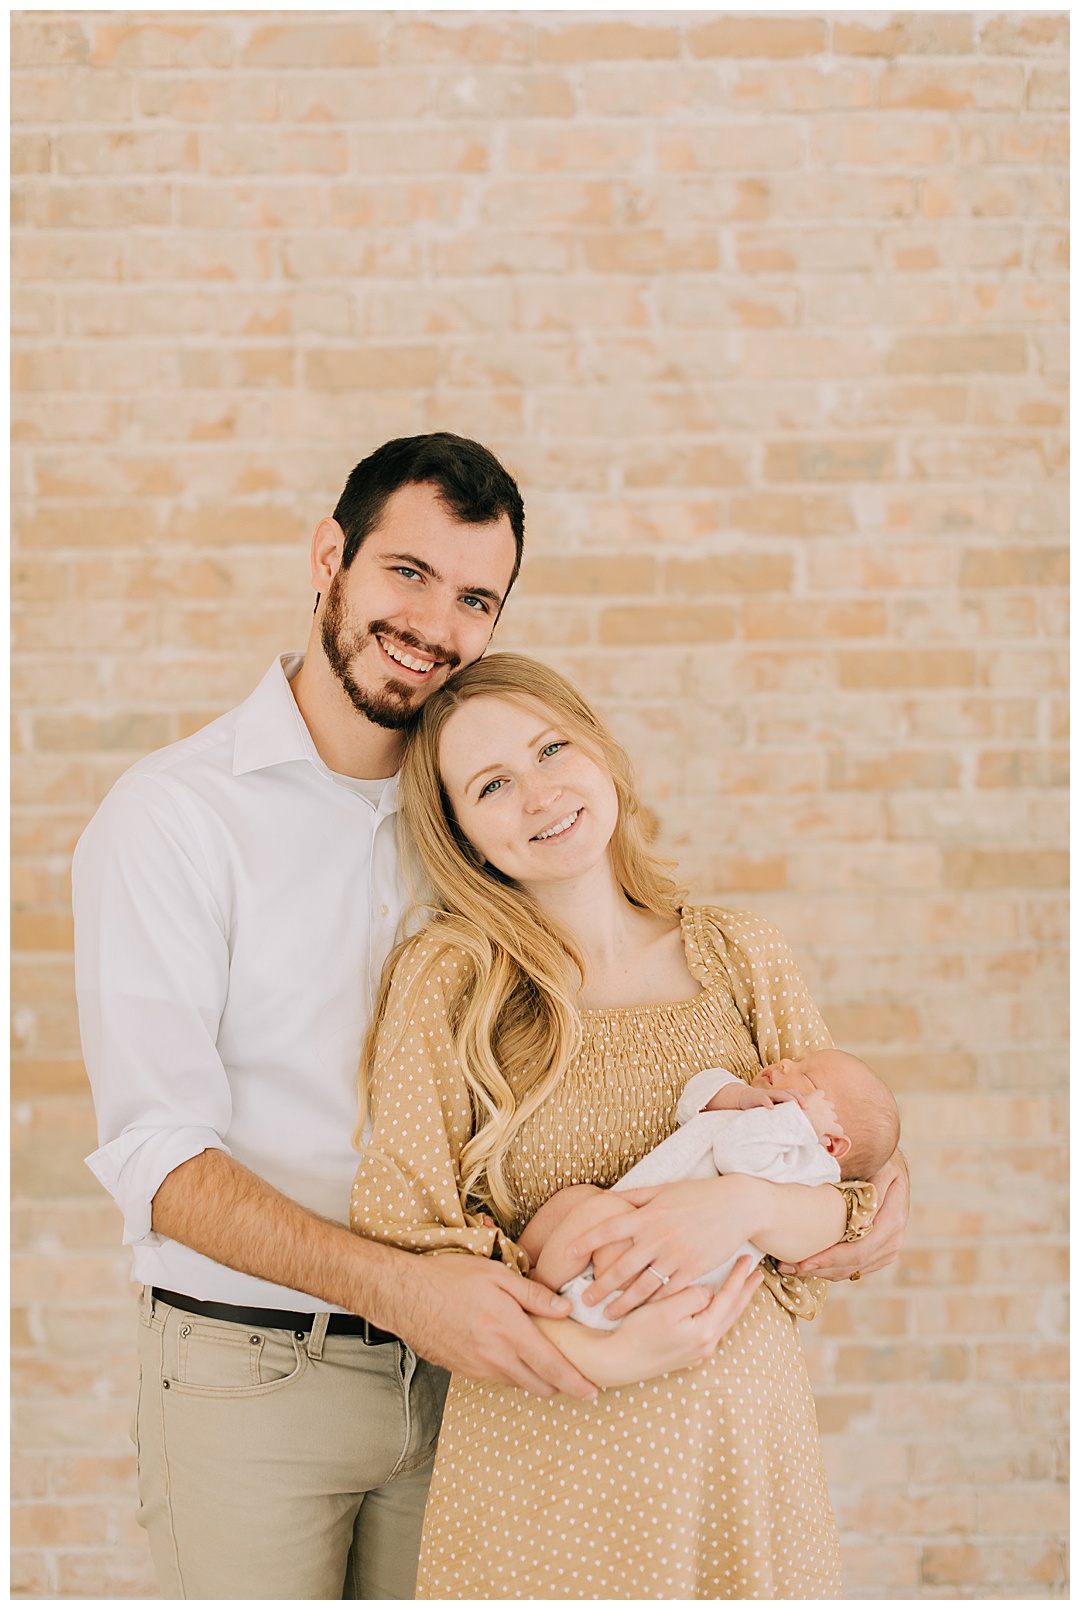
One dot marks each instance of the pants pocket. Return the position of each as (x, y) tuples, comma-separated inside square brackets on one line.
[(214, 1358)]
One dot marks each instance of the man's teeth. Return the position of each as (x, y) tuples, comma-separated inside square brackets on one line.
[(407, 660), (560, 827)]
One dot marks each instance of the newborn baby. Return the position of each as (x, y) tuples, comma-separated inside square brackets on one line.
[(810, 1121)]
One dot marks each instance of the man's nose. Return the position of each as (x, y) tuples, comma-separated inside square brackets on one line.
[(431, 617)]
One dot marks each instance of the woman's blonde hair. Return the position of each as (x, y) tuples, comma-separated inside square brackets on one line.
[(513, 1018)]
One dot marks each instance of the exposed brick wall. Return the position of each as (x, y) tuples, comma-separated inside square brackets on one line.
[(767, 312)]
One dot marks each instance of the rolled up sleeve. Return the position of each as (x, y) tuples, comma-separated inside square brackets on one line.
[(151, 976)]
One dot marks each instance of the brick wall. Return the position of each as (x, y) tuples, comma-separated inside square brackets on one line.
[(767, 312)]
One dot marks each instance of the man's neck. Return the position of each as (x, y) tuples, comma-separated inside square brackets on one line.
[(347, 742)]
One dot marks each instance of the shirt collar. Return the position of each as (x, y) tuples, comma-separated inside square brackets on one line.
[(270, 731)]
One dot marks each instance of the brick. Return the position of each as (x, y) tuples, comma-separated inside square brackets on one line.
[(671, 623), (1017, 34), (582, 577), (842, 460), (958, 354), (791, 514), (32, 1574), (448, 39), (869, 141), (102, 1573), (1005, 869), (1048, 90), (759, 35), (748, 873), (605, 41), (319, 44), (649, 251), (696, 466), (935, 33), (906, 668), (601, 148), (729, 573), (953, 87), (746, 146), (803, 89), (45, 44), (1015, 567)]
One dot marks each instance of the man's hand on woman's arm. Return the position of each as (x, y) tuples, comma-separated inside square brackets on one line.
[(883, 1242), (468, 1314)]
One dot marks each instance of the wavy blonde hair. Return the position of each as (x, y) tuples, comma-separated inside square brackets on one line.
[(513, 1017)]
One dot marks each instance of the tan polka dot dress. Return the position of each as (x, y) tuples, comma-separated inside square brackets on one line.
[(702, 1484)]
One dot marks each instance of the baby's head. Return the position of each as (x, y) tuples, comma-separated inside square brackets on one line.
[(864, 1105)]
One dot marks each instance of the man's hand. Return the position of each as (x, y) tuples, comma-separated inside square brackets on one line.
[(471, 1315), (883, 1243)]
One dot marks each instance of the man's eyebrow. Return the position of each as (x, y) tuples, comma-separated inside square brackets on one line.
[(429, 570)]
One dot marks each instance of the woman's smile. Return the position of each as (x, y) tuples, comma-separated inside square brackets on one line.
[(560, 830)]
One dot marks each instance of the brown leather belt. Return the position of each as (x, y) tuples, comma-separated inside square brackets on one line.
[(277, 1318)]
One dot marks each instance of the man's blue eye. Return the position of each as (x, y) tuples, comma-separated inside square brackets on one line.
[(405, 570), (472, 601)]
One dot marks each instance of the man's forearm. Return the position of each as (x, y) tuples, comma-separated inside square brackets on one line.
[(216, 1206)]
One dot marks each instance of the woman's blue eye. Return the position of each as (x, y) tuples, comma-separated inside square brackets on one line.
[(552, 749), (489, 788)]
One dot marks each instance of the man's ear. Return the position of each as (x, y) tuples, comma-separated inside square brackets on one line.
[(838, 1146), (327, 547)]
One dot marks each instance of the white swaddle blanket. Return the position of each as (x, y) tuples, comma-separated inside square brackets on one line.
[(775, 1143)]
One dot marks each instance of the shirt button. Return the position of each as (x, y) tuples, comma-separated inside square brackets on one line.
[(384, 911)]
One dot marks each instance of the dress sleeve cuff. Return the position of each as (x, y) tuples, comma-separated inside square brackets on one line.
[(862, 1203), (132, 1167)]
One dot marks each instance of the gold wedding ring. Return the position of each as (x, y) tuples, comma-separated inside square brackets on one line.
[(857, 1275)]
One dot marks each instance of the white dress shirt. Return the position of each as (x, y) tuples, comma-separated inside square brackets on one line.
[(234, 904)]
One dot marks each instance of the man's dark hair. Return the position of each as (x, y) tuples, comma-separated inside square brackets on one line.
[(470, 481)]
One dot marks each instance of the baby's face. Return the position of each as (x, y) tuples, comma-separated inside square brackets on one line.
[(802, 1076), (807, 1079)]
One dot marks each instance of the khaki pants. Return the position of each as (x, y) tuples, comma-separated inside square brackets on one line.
[(280, 1465)]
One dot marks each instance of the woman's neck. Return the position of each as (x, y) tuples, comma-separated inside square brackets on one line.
[(632, 957)]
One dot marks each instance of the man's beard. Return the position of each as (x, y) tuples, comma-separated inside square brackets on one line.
[(391, 705)]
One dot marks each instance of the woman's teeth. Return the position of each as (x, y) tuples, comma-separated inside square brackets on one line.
[(409, 661), (560, 827)]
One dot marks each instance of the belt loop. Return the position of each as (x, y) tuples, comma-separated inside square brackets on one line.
[(318, 1335)]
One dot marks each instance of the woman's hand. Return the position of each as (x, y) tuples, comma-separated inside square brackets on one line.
[(881, 1246), (681, 1230), (674, 1334)]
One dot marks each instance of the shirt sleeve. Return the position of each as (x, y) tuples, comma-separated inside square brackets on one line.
[(407, 1190), (772, 1143), (151, 977)]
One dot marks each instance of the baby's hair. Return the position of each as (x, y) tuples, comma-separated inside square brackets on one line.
[(876, 1134)]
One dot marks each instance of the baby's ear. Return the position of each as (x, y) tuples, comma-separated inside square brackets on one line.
[(838, 1146)]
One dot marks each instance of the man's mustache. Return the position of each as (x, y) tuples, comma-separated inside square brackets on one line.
[(432, 651)]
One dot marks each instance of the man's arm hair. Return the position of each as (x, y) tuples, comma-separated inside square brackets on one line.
[(468, 1314)]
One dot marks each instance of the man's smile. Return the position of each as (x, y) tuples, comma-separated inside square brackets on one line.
[(421, 665)]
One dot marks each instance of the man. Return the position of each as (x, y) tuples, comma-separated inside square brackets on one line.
[(235, 897)]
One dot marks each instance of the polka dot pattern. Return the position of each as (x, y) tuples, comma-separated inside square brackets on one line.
[(706, 1483)]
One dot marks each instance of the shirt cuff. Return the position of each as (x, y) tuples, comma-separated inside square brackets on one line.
[(132, 1166), (700, 1090)]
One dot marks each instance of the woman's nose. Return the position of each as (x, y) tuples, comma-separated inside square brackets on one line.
[(540, 795)]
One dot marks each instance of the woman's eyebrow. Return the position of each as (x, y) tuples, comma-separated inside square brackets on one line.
[(496, 766)]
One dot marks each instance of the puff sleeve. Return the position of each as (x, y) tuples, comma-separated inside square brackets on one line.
[(407, 1190), (771, 997)]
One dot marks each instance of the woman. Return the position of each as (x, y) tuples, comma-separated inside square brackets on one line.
[(538, 1034)]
